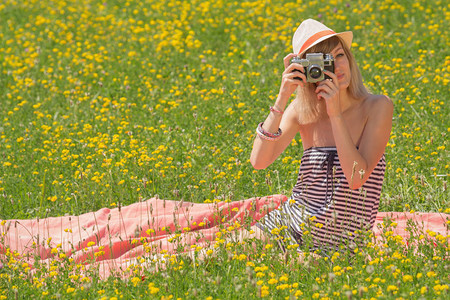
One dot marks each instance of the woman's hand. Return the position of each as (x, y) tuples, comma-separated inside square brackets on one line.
[(293, 76), (328, 90)]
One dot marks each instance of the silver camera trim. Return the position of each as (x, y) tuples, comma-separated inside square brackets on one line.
[(314, 60)]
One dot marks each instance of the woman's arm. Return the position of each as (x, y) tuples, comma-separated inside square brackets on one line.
[(265, 152), (358, 163)]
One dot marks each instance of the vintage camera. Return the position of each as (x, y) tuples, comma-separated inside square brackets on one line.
[(315, 64)]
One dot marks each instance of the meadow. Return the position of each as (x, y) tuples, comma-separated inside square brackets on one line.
[(107, 103)]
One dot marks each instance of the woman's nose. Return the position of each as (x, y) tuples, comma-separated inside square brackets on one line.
[(337, 66)]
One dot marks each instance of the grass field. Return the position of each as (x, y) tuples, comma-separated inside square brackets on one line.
[(108, 102)]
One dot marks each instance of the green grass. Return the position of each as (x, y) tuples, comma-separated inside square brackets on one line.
[(108, 102)]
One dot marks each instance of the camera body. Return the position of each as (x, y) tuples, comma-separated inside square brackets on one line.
[(315, 64)]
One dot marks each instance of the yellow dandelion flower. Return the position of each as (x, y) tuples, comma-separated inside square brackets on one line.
[(392, 288), (407, 278)]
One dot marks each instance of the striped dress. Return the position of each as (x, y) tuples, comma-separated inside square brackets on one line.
[(323, 206)]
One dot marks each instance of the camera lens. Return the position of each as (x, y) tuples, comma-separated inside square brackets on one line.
[(315, 72)]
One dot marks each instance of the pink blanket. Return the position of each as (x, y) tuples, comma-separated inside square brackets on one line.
[(113, 239)]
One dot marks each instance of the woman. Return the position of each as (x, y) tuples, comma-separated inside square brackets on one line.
[(344, 131)]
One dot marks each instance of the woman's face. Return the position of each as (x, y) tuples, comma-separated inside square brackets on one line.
[(341, 66)]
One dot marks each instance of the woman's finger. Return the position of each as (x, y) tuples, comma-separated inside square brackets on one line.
[(287, 59), (333, 77), (324, 88), (297, 75), (330, 84), (294, 71), (322, 95), (294, 67), (294, 81)]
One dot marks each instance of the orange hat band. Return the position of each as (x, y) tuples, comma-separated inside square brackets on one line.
[(314, 38)]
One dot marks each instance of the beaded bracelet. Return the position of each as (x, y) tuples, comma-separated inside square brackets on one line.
[(267, 135), (273, 109)]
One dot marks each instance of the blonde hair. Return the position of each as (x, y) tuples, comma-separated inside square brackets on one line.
[(308, 107)]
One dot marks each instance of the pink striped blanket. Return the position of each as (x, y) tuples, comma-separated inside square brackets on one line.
[(113, 239)]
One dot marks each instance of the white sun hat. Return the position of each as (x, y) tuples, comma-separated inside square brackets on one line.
[(311, 32)]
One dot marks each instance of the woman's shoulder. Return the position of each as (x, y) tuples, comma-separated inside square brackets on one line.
[(378, 103)]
